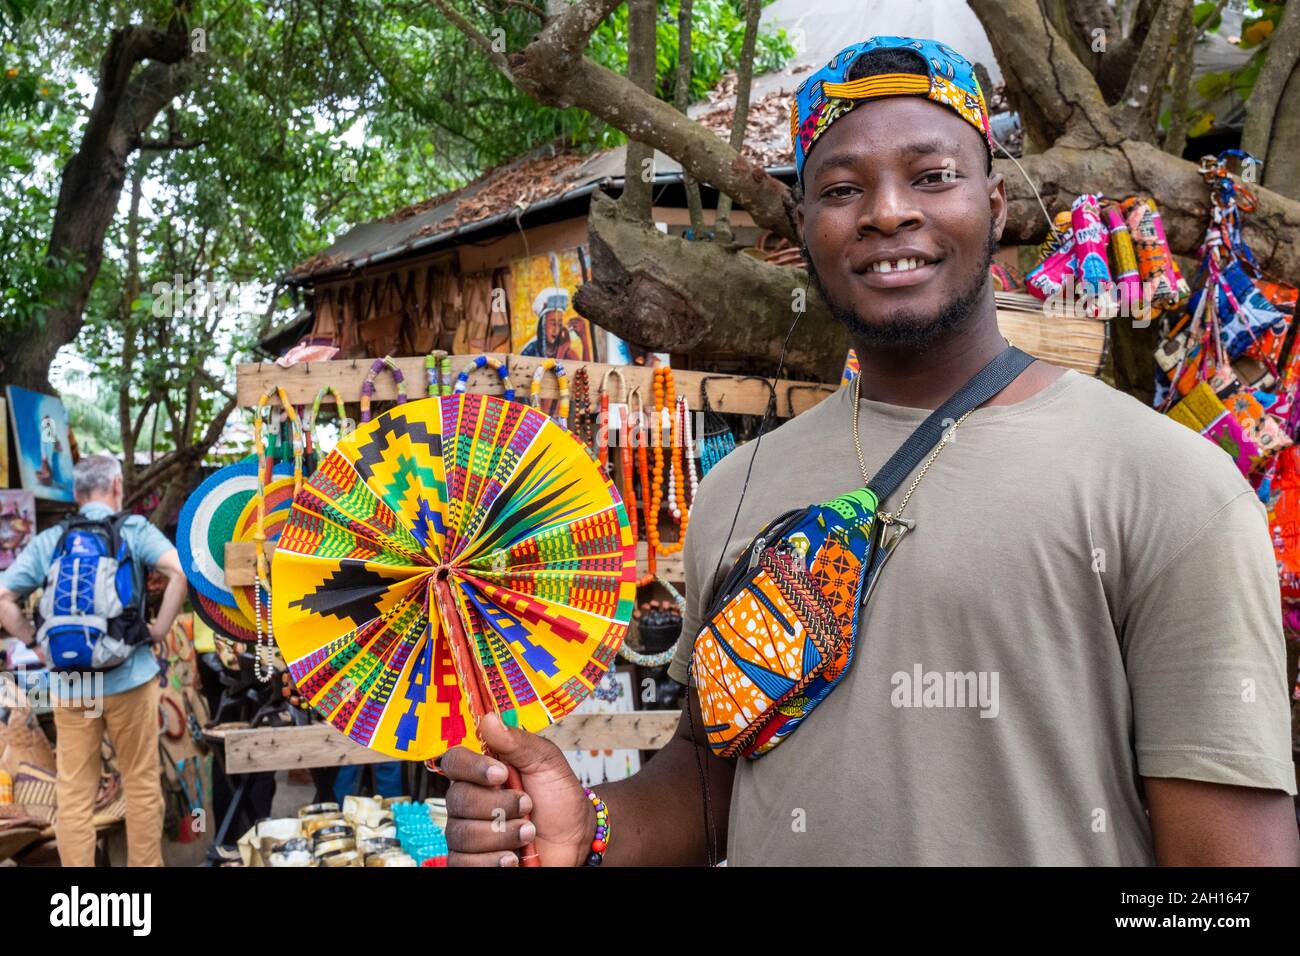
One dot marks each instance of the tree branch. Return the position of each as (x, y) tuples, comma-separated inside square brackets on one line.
[(1180, 86), (681, 99), (642, 38), (480, 39), (1279, 62), (1138, 107), (740, 116), (1047, 74)]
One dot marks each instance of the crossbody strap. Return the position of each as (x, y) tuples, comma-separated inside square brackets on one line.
[(986, 383)]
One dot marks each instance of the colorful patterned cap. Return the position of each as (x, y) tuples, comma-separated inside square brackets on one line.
[(828, 94)]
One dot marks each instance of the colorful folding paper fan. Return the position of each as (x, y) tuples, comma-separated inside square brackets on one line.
[(454, 557)]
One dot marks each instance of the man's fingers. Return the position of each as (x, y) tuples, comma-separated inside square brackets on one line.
[(485, 836), (470, 801), (482, 859), (461, 763)]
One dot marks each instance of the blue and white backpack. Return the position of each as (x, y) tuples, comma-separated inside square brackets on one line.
[(92, 613)]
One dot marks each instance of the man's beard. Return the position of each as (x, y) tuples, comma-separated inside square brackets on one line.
[(910, 330)]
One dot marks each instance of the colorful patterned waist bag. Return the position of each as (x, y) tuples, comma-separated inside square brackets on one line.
[(782, 626)]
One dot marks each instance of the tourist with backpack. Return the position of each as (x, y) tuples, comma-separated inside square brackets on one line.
[(92, 631)]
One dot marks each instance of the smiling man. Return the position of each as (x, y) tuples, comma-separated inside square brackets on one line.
[(1076, 658)]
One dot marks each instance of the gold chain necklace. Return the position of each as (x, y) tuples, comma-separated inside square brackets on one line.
[(885, 516)]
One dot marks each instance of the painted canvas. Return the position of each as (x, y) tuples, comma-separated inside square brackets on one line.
[(619, 352), (543, 322), (17, 524), (41, 442)]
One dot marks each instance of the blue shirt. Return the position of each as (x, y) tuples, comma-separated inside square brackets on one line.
[(147, 545)]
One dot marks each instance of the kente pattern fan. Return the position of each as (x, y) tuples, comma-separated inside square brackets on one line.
[(454, 557)]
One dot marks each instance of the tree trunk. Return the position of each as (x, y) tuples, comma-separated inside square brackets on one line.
[(682, 100), (740, 115), (1263, 109), (1282, 174), (664, 293), (91, 185), (638, 175)]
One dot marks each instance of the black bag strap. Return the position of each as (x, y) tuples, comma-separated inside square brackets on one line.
[(986, 383)]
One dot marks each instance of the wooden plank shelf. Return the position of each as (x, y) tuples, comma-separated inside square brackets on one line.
[(255, 750), (241, 563), (733, 394)]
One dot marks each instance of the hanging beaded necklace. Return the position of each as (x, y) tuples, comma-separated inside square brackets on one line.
[(677, 479), (664, 390), (582, 406), (688, 447), (263, 668), (643, 472), (625, 466)]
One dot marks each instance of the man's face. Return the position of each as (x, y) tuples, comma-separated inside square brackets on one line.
[(899, 220), (554, 324)]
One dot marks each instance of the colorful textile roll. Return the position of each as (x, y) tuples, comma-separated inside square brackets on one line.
[(1244, 312), (1153, 254), (1091, 268), (1047, 279), (1059, 238), (1127, 280), (1171, 264), (1202, 411)]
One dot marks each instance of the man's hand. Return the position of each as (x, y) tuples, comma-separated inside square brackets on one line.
[(12, 619), (485, 824), (173, 597)]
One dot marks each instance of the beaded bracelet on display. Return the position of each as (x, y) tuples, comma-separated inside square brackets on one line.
[(665, 656), (368, 385), (437, 373), (601, 840), (263, 668), (485, 361), (309, 427), (561, 416)]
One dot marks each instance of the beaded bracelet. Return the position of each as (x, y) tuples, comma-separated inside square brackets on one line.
[(601, 840), (485, 361), (368, 384), (561, 417)]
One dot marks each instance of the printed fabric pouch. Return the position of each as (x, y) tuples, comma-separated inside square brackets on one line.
[(782, 627)]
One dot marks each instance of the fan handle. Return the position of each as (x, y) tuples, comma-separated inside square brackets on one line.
[(477, 692)]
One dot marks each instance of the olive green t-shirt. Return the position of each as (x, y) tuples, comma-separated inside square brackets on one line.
[(1089, 597)]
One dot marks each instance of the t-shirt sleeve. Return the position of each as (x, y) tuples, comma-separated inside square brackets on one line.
[(695, 599), (28, 571), (1206, 659), (148, 544)]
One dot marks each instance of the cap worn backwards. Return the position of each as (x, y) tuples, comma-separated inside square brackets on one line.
[(829, 95)]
